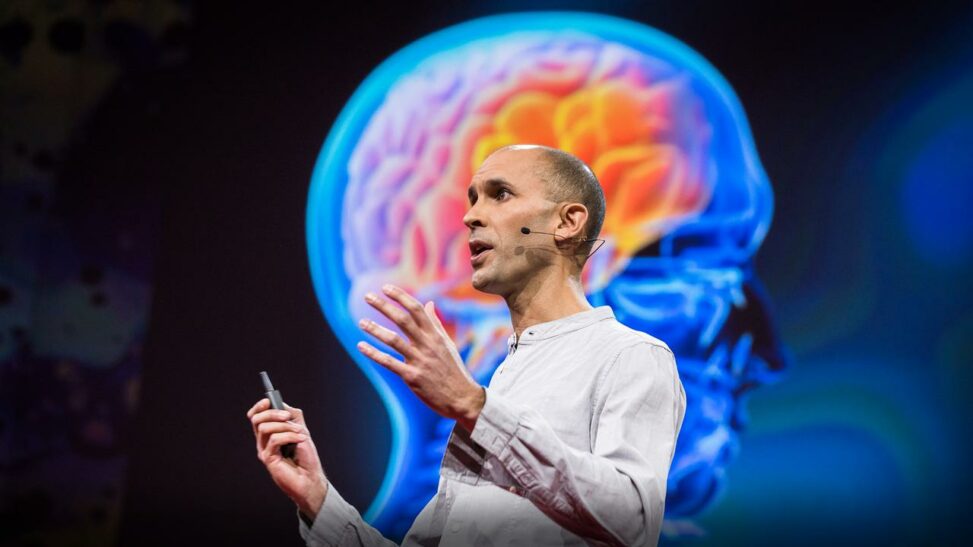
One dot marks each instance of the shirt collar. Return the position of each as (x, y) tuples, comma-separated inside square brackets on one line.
[(564, 325)]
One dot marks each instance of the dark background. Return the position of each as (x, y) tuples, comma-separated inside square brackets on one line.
[(225, 143)]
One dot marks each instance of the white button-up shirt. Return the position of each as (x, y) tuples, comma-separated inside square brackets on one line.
[(572, 447)]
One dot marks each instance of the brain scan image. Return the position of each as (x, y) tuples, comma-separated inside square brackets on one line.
[(688, 205)]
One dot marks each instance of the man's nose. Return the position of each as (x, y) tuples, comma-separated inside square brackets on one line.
[(472, 218)]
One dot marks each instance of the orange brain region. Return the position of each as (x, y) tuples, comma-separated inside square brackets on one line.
[(634, 119), (623, 133)]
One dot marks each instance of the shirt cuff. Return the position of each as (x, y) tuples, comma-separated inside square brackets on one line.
[(496, 424), (333, 521)]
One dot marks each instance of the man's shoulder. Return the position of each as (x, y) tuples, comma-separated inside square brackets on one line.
[(623, 336), (630, 356)]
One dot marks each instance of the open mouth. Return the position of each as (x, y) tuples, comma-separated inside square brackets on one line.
[(478, 249)]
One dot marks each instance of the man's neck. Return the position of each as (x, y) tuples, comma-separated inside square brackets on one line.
[(549, 296)]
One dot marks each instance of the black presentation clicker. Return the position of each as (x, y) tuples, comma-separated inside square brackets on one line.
[(277, 403)]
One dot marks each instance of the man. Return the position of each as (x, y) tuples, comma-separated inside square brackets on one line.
[(571, 442)]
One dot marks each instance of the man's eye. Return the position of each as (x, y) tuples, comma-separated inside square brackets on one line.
[(502, 193)]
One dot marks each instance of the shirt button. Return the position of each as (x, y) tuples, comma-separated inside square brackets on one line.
[(456, 527)]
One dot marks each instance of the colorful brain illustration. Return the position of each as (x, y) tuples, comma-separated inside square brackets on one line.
[(687, 205), (631, 119)]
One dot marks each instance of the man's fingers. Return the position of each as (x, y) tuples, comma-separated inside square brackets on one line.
[(393, 340), (431, 311), (411, 305), (266, 416), (412, 321), (262, 404), (268, 428), (394, 313), (269, 415), (277, 440), (298, 414), (383, 359)]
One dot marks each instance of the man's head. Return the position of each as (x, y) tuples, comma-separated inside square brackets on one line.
[(570, 180), (543, 189)]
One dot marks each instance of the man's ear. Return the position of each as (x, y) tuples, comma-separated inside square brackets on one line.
[(574, 217)]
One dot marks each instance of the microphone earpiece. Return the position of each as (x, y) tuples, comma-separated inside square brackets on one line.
[(527, 231)]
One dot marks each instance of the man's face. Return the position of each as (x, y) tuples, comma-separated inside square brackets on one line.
[(506, 194)]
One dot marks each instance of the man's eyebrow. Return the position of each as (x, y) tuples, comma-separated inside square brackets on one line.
[(496, 181), (490, 184)]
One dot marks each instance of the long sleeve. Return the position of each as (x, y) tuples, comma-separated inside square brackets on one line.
[(338, 523), (614, 494)]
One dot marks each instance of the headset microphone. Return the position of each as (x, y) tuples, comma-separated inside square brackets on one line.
[(527, 231)]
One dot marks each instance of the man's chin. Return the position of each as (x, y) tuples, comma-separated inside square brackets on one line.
[(483, 282), (479, 281)]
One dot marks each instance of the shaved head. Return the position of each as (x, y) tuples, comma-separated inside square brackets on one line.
[(569, 179)]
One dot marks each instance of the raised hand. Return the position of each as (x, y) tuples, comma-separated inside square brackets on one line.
[(432, 369)]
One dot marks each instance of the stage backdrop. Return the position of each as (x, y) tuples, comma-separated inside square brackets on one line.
[(190, 196)]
